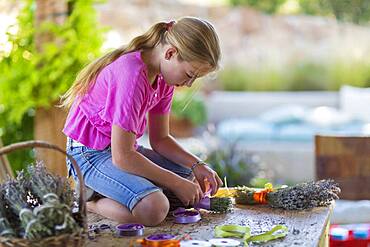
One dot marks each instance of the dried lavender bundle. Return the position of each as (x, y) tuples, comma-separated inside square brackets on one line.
[(24, 182), (297, 197), (57, 198), (55, 215), (16, 196), (218, 204), (5, 228), (221, 204), (43, 182), (47, 219), (8, 213)]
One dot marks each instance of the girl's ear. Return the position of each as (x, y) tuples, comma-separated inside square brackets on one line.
[(170, 52)]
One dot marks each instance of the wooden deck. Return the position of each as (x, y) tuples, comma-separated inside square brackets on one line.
[(306, 228)]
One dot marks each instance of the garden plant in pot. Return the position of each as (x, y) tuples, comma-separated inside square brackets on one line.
[(188, 112)]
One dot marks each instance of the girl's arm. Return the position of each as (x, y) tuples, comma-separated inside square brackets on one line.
[(162, 142), (166, 145), (127, 158)]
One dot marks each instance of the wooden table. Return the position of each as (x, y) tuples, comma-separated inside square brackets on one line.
[(306, 228)]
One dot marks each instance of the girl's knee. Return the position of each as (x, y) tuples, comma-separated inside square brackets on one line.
[(91, 207), (152, 209)]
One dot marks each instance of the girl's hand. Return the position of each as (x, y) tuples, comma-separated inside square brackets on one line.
[(204, 174), (187, 191)]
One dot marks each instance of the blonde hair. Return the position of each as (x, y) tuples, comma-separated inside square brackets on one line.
[(195, 39)]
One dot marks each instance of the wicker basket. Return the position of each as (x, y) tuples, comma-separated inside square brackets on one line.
[(75, 239)]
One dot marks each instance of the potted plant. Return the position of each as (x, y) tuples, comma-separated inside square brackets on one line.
[(188, 112)]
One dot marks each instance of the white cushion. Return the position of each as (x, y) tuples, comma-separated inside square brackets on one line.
[(284, 114), (355, 101), (329, 117)]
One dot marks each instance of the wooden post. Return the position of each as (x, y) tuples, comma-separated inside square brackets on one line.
[(49, 121), (5, 168), (347, 160), (48, 127)]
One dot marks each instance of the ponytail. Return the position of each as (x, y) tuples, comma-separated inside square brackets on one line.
[(87, 76)]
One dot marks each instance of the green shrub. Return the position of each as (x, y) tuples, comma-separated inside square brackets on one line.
[(233, 79), (268, 6), (347, 72), (240, 168), (11, 133), (188, 105), (307, 76), (343, 10), (300, 76), (32, 78)]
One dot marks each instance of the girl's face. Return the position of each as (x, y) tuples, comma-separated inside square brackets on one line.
[(181, 73)]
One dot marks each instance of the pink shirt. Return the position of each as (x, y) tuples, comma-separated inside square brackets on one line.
[(122, 95)]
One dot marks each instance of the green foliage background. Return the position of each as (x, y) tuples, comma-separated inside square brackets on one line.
[(356, 11), (31, 78), (300, 76), (268, 6), (303, 75)]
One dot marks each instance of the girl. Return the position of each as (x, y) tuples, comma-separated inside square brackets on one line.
[(109, 102)]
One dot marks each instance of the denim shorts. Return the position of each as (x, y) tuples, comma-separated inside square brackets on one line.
[(103, 177)]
